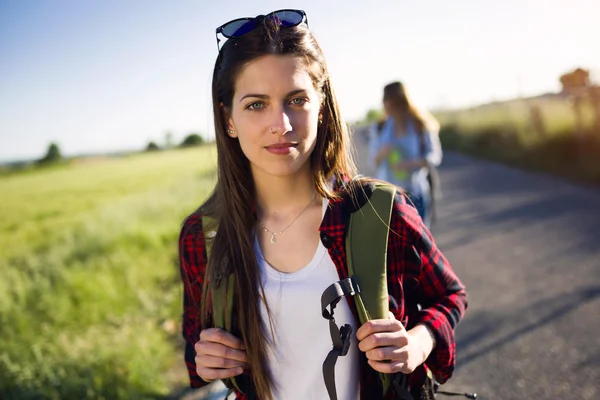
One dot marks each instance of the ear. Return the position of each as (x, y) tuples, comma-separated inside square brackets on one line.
[(228, 122)]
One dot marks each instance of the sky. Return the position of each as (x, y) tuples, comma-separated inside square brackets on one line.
[(111, 75)]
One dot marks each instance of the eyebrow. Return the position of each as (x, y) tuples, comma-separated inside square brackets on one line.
[(264, 96)]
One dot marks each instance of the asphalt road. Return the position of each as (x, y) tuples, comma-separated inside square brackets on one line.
[(527, 246)]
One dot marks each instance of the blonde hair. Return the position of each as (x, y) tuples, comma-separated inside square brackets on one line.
[(396, 95)]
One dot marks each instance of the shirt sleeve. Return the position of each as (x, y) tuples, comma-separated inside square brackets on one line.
[(415, 261), (192, 262)]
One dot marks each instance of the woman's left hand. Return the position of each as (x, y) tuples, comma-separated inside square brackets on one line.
[(386, 339)]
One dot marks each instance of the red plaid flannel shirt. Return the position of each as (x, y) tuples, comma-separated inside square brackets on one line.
[(418, 273)]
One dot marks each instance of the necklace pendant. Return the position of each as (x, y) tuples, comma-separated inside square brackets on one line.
[(273, 239)]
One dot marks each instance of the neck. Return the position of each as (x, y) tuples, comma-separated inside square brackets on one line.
[(283, 194), (400, 117)]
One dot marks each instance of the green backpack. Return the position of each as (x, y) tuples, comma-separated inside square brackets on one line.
[(366, 253)]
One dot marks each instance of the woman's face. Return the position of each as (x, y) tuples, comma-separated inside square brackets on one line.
[(387, 107), (275, 115)]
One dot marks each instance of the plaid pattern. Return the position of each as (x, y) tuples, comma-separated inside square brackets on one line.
[(418, 274)]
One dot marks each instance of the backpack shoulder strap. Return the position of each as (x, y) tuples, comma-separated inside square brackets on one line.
[(366, 258), (366, 252), (221, 293)]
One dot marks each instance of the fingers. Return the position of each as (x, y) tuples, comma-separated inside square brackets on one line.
[(392, 339), (379, 325), (218, 362), (220, 336), (211, 374), (391, 367), (388, 353), (219, 355), (219, 350)]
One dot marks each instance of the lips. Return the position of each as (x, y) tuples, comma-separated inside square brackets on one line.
[(281, 148), (281, 145)]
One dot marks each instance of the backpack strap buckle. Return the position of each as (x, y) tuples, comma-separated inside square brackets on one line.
[(345, 335), (334, 293), (341, 337)]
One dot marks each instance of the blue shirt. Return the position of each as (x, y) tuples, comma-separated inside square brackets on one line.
[(408, 147), (379, 171)]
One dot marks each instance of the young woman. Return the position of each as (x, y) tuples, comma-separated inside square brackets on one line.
[(408, 148), (282, 200)]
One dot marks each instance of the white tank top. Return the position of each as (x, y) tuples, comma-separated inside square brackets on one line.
[(302, 339)]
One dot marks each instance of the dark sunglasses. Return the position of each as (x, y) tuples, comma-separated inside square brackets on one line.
[(241, 26)]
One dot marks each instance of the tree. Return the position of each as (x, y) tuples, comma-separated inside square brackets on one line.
[(575, 81), (152, 147), (193, 139), (53, 154), (373, 116)]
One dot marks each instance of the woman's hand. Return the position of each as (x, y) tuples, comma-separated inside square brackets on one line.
[(219, 355), (386, 339)]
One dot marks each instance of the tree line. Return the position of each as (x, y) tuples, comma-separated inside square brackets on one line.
[(54, 154)]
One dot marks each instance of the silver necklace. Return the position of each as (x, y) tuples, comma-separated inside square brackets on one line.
[(274, 234)]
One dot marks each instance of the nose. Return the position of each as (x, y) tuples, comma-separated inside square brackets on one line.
[(279, 122)]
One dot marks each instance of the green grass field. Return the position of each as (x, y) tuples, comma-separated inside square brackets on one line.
[(90, 297)]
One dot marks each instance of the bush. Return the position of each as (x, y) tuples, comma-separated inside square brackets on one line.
[(53, 155), (152, 146), (191, 140)]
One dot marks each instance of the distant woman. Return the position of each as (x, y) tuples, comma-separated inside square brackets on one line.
[(409, 149)]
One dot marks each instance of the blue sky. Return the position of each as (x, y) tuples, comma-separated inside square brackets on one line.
[(111, 75)]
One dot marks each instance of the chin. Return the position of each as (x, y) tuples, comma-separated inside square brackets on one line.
[(282, 172), (288, 169)]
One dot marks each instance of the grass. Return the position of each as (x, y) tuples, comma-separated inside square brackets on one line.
[(90, 296), (506, 132)]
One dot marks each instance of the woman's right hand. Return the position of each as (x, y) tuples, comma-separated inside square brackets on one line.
[(219, 355)]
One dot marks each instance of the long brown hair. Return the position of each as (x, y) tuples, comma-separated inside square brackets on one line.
[(231, 203), (396, 95)]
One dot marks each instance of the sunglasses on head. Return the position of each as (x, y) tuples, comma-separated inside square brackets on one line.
[(241, 26)]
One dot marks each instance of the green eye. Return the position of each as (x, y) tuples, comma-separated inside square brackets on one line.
[(255, 106), (298, 101)]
